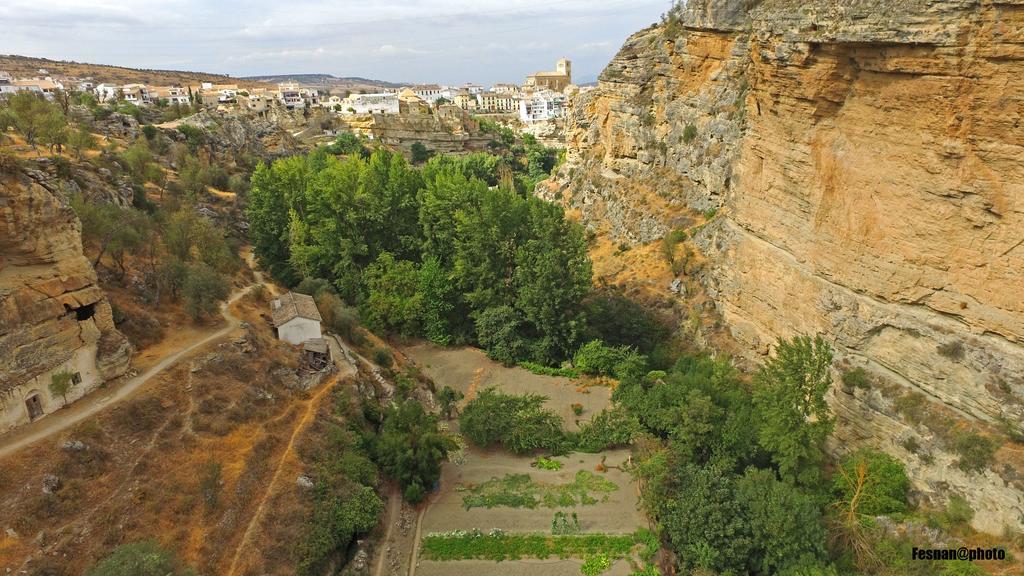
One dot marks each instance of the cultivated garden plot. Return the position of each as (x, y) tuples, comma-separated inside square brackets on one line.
[(523, 498), (501, 513)]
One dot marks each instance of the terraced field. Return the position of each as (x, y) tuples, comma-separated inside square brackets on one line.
[(496, 512)]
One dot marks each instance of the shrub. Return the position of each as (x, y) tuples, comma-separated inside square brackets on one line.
[(518, 423), (597, 359), (856, 378), (144, 558), (953, 350), (595, 565), (689, 133), (382, 358), (607, 429), (543, 463), (209, 483), (975, 451), (577, 409), (958, 512), (543, 370)]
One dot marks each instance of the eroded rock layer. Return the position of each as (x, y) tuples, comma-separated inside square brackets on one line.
[(866, 161), (53, 316)]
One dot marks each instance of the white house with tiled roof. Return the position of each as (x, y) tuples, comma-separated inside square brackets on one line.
[(296, 318)]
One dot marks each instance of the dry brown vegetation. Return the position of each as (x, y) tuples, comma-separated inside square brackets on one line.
[(25, 66), (185, 462)]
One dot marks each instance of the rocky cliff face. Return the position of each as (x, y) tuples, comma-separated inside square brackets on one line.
[(866, 161), (53, 316)]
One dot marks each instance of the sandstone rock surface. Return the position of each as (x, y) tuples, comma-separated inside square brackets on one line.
[(53, 316), (866, 161)]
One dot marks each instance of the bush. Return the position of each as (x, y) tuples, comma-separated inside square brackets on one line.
[(518, 423), (689, 133), (953, 350), (975, 451), (420, 153), (144, 558), (382, 358), (608, 429), (958, 512), (856, 378), (597, 359)]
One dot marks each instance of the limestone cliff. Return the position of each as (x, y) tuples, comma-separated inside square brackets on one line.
[(866, 161), (53, 316)]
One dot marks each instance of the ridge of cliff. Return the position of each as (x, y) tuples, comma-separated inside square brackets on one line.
[(859, 167)]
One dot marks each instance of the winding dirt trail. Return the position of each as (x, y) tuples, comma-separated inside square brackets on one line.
[(100, 400)]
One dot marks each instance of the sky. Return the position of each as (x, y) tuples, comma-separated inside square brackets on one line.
[(449, 42)]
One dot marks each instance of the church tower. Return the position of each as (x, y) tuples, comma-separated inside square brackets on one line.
[(564, 66)]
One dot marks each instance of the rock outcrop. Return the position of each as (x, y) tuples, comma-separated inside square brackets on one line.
[(53, 316), (866, 162), (446, 130)]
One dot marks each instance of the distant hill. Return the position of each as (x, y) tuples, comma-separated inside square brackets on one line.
[(353, 83), (27, 66)]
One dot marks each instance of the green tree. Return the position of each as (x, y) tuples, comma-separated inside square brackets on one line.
[(60, 385), (499, 331), (391, 302), (785, 523), (420, 153), (203, 289), (339, 515), (54, 130), (32, 115), (145, 558), (705, 522), (438, 302), (518, 423), (410, 448), (80, 140), (552, 276), (796, 420), (872, 483)]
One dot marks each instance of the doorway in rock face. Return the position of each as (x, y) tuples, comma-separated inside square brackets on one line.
[(35, 407)]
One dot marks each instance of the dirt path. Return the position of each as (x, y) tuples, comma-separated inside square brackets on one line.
[(312, 405), (102, 399), (391, 515), (414, 559)]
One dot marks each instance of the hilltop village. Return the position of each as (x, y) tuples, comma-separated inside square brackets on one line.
[(542, 96)]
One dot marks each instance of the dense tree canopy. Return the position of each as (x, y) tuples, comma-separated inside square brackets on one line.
[(430, 252)]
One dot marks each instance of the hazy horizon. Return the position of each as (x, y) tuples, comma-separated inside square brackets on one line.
[(415, 41)]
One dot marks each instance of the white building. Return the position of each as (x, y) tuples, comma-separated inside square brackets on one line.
[(296, 318), (431, 93), (542, 105), (137, 94), (379, 103), (106, 92)]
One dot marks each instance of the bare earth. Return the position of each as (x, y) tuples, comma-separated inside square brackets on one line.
[(458, 367)]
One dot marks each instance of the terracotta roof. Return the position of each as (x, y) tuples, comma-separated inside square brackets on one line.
[(548, 74), (291, 306)]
